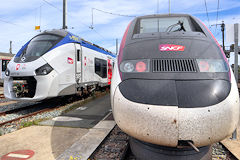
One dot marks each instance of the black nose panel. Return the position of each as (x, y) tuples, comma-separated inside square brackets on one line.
[(201, 93), (184, 94), (150, 91)]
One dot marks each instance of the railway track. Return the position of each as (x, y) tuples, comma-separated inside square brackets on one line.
[(25, 116), (3, 113), (41, 110), (38, 108), (116, 146)]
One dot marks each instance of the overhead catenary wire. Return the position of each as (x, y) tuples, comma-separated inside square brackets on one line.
[(8, 22), (217, 14), (22, 25), (35, 18), (106, 12), (169, 7), (13, 24), (218, 33), (98, 34), (52, 5), (116, 14), (38, 14), (4, 21), (60, 10), (205, 2)]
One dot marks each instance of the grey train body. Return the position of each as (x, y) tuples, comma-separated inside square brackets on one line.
[(173, 83)]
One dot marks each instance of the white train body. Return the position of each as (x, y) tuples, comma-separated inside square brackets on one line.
[(73, 65)]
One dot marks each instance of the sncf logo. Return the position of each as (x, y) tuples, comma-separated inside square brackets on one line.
[(17, 67), (70, 60), (171, 47)]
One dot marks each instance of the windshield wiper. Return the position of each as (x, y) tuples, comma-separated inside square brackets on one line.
[(180, 23), (23, 52)]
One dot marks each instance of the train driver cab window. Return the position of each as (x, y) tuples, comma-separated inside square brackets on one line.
[(4, 64), (39, 45), (164, 24), (101, 67)]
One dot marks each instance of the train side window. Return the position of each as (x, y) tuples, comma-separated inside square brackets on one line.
[(78, 55), (4, 64), (97, 66), (104, 69), (101, 67)]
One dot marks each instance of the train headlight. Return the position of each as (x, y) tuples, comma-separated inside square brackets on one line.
[(131, 66), (128, 67), (44, 70), (7, 72), (212, 65)]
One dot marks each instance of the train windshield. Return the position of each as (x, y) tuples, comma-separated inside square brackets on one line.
[(164, 24), (40, 45)]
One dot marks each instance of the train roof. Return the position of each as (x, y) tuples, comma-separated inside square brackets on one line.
[(59, 32), (164, 15), (64, 33)]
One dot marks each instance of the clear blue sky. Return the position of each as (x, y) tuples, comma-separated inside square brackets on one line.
[(19, 17)]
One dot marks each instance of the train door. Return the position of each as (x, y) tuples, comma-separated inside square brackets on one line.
[(78, 63)]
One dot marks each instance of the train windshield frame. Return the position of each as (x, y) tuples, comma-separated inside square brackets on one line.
[(40, 45), (163, 24)]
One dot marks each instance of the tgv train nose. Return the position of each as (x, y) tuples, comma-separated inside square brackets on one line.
[(168, 124), (181, 93)]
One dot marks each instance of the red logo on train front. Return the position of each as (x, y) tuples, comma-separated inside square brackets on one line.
[(70, 60), (17, 67), (171, 47)]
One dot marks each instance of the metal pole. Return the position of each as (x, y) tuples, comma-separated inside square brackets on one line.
[(64, 14), (222, 29), (234, 135), (10, 49), (91, 27), (40, 17), (116, 46), (236, 51), (169, 6)]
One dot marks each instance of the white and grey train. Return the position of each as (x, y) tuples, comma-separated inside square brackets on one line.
[(57, 63)]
